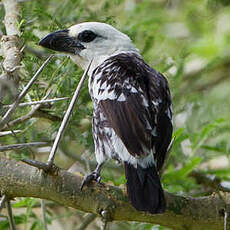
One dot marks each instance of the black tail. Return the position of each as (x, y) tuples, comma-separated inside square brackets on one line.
[(144, 189)]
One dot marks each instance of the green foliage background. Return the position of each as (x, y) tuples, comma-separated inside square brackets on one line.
[(188, 41)]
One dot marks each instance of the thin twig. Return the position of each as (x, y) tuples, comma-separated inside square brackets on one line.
[(37, 164), (45, 114), (28, 115), (105, 220), (43, 207), (12, 131), (104, 225), (22, 146), (66, 117), (38, 102), (10, 215), (2, 202), (87, 220), (206, 180), (8, 114), (225, 220), (17, 139), (5, 133), (49, 166)]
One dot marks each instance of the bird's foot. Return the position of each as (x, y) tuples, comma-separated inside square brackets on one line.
[(94, 176), (46, 167)]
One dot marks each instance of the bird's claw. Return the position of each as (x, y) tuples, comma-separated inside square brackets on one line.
[(89, 178)]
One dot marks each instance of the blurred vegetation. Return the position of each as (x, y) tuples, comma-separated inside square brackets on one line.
[(188, 41)]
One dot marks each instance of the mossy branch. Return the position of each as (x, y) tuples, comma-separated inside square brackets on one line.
[(21, 180)]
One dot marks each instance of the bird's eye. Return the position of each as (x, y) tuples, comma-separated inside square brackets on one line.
[(86, 36)]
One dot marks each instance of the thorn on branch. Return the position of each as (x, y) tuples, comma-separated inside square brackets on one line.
[(49, 167), (5, 133), (28, 115), (66, 117), (8, 114), (21, 146), (38, 102)]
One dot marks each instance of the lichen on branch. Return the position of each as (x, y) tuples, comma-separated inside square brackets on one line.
[(64, 188)]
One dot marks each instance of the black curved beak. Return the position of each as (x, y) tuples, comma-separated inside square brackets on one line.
[(61, 41)]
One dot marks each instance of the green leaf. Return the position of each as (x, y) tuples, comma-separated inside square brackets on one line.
[(190, 166)]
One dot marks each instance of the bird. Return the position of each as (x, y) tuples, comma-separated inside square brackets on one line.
[(132, 107)]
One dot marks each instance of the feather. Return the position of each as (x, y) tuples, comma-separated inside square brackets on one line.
[(135, 100)]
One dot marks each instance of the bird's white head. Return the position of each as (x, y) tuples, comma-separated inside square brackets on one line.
[(89, 41)]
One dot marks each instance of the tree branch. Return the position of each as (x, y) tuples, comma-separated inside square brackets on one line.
[(64, 188), (11, 48), (22, 146), (11, 17)]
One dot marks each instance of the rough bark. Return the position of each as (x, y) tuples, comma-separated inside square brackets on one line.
[(20, 180), (10, 45)]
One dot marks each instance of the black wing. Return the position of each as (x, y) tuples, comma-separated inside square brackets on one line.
[(129, 121), (139, 108), (164, 125)]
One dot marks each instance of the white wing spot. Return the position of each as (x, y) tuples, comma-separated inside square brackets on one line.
[(121, 97), (103, 86), (133, 90)]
